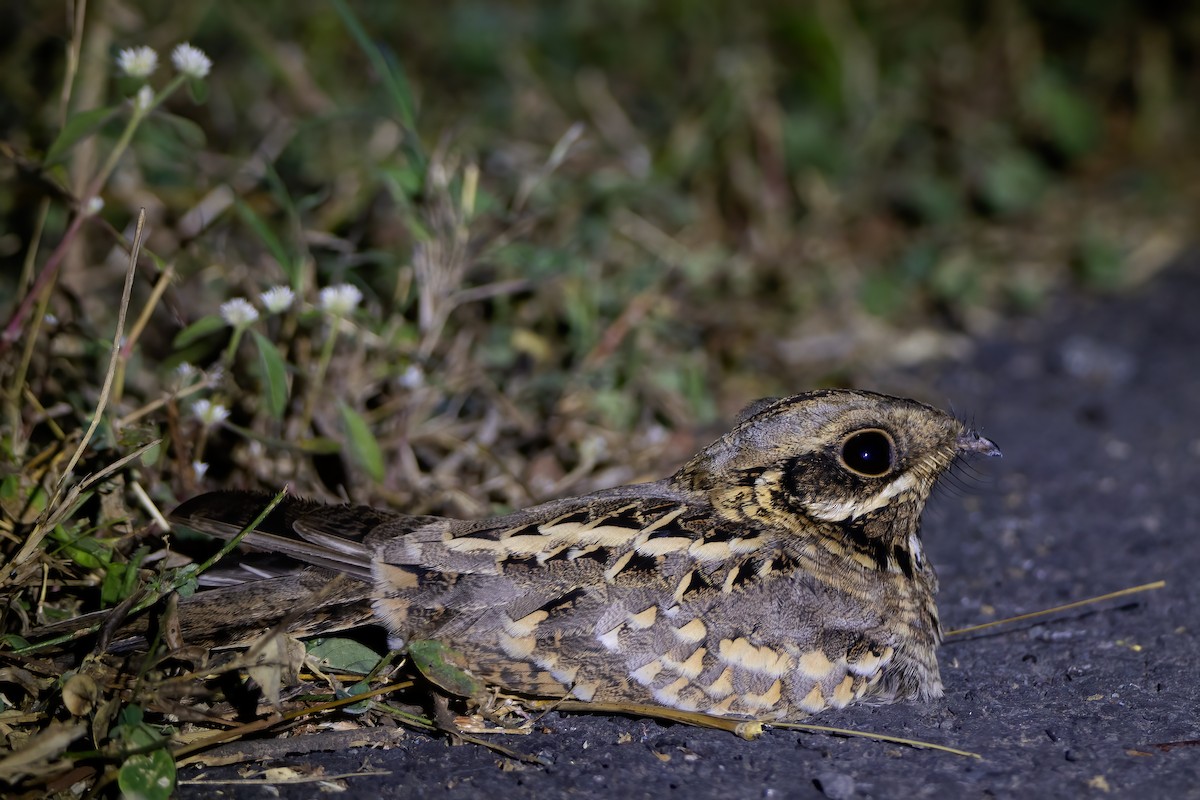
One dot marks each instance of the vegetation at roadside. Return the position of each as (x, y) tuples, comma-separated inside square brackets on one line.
[(460, 258)]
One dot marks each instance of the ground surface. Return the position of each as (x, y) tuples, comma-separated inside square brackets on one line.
[(1095, 406)]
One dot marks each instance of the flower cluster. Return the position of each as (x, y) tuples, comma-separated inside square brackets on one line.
[(190, 61), (340, 300), (138, 62), (141, 62), (336, 301)]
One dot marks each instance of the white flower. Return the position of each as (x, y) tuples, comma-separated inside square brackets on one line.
[(412, 377), (340, 300), (144, 97), (209, 413), (94, 206), (238, 312), (200, 468), (137, 62), (277, 298), (184, 373), (191, 61)]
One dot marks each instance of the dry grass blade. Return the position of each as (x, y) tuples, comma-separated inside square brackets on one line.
[(286, 781), (64, 506), (746, 729), (55, 506), (879, 737), (182, 753), (1145, 587), (156, 293)]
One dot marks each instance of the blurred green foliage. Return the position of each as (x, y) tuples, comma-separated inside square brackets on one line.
[(631, 213)]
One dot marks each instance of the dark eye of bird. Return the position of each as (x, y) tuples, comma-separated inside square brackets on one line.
[(868, 452)]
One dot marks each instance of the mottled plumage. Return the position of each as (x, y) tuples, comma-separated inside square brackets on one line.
[(777, 573)]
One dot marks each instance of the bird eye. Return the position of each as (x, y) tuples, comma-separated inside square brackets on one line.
[(868, 452)]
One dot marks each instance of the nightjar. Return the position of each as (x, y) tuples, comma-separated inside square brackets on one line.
[(779, 572)]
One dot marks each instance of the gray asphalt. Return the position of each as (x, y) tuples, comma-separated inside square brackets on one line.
[(1096, 404)]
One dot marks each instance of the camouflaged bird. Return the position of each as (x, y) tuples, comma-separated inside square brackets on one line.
[(778, 573)]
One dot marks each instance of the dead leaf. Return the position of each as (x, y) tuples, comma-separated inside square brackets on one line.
[(36, 757), (277, 659)]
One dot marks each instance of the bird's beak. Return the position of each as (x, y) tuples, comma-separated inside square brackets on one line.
[(972, 442)]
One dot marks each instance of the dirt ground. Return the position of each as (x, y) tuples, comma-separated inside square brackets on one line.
[(1096, 406)]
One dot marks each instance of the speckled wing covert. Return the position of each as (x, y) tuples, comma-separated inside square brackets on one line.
[(778, 573)]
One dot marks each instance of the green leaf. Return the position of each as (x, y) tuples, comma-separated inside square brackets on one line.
[(205, 326), (405, 183), (186, 580), (1064, 112), (114, 582), (188, 132), (1013, 182), (321, 445), (364, 448), (293, 267), (130, 715), (151, 456), (10, 486), (264, 233), (146, 776), (78, 127), (344, 655), (363, 707), (198, 89), (10, 641), (391, 73), (393, 78), (120, 579), (275, 374), (85, 551), (444, 667)]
